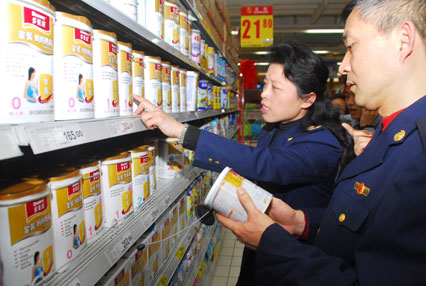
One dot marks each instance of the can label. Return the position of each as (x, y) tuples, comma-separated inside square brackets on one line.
[(92, 202), (140, 179), (166, 91), (196, 51), (182, 91), (202, 95), (191, 91), (153, 90), (184, 38), (175, 90), (125, 83), (171, 26)]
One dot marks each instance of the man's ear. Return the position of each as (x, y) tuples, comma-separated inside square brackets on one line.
[(406, 37), (309, 99)]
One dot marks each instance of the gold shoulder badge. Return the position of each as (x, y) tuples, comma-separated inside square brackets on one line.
[(313, 127), (398, 136), (290, 138), (361, 189)]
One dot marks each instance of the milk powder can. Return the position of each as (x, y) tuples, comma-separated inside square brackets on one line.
[(137, 257), (202, 95), (175, 89), (92, 200), (140, 175), (152, 168), (171, 24), (138, 76), (183, 33), (210, 60), (127, 7), (26, 242), (154, 17), (195, 51), (153, 89), (165, 84), (210, 95), (191, 90), (69, 228), (26, 61), (171, 158), (116, 182), (105, 74), (125, 88), (182, 90), (73, 72)]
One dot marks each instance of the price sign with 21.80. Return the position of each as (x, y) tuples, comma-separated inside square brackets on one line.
[(257, 26)]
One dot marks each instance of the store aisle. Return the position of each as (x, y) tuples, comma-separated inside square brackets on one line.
[(228, 264)]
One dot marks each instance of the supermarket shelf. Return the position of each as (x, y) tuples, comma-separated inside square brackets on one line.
[(165, 274), (207, 279), (106, 15), (192, 274), (102, 254), (49, 136)]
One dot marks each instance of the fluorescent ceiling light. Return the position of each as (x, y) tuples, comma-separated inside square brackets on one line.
[(321, 52), (261, 53), (339, 63), (235, 32), (324, 31), (261, 64)]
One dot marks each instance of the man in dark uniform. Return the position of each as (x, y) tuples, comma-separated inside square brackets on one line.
[(374, 230)]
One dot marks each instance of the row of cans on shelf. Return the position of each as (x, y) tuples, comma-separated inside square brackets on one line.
[(48, 219), (56, 67), (141, 263)]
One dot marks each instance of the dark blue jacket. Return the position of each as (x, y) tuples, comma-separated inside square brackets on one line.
[(374, 229)]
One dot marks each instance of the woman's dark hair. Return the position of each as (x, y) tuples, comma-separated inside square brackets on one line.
[(30, 72), (80, 76), (75, 228), (309, 73), (36, 255)]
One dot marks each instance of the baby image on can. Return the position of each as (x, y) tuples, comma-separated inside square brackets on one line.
[(223, 198), (26, 243), (26, 61)]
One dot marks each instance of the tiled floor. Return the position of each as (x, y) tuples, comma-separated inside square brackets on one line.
[(228, 264)]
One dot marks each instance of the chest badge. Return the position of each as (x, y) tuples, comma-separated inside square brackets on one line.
[(313, 127), (361, 189), (398, 136), (289, 139)]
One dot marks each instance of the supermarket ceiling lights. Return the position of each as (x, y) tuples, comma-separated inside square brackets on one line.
[(323, 31)]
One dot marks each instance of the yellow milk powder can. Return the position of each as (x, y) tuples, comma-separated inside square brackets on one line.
[(26, 61), (175, 89), (105, 74), (92, 199), (140, 175), (116, 182), (26, 242), (165, 86), (73, 72), (138, 75), (125, 88), (69, 229), (153, 88)]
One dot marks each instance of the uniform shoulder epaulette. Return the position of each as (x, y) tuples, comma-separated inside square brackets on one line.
[(421, 126), (313, 127)]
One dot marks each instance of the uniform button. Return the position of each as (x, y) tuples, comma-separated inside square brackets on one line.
[(210, 160), (217, 162), (342, 217)]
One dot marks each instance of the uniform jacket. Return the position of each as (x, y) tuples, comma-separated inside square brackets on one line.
[(374, 229), (303, 161)]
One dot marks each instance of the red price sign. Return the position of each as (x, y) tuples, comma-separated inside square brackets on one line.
[(257, 26)]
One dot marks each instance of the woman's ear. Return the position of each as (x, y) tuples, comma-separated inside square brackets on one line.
[(309, 99)]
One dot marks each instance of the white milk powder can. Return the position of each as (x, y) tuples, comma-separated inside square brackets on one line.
[(175, 89), (127, 7), (138, 76), (154, 17), (153, 89), (152, 168), (171, 24), (73, 72), (26, 242), (26, 61), (191, 90), (223, 198), (116, 182), (125, 76), (69, 228), (140, 175), (171, 158), (195, 51), (105, 74), (183, 32), (165, 84), (92, 200), (182, 90)]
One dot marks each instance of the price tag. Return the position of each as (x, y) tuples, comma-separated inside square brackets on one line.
[(163, 281), (117, 250), (122, 126), (52, 136), (180, 252), (257, 26)]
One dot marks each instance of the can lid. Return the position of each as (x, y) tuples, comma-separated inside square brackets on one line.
[(139, 149), (138, 52), (213, 190), (26, 187), (129, 45), (165, 63), (175, 67), (147, 58), (91, 163), (81, 19), (106, 33), (170, 3), (122, 155), (46, 4), (183, 12), (67, 174)]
